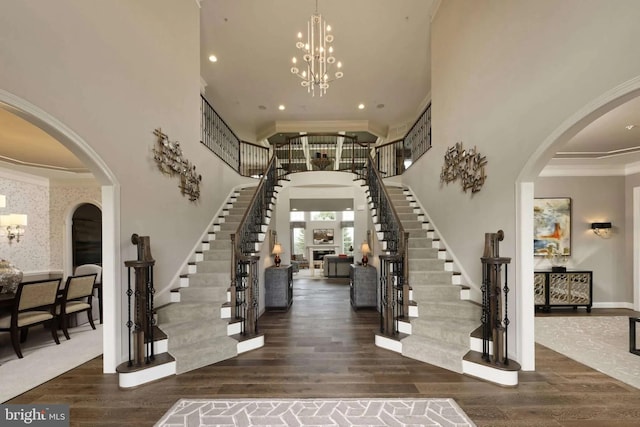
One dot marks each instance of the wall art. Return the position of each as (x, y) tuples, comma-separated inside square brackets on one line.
[(467, 165), (168, 156), (552, 226)]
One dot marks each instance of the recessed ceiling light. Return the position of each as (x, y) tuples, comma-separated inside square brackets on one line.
[(281, 107), (629, 127), (213, 58), (361, 107), (294, 209), (380, 106), (261, 107)]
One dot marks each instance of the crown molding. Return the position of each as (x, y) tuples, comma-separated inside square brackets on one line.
[(582, 170), (23, 177)]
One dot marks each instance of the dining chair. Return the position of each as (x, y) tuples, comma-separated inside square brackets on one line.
[(77, 297), (88, 269), (34, 305)]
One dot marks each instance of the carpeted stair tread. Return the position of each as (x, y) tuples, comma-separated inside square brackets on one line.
[(194, 331), (422, 253), (209, 294), (214, 266), (218, 255), (445, 355), (430, 277), (450, 309), (198, 355), (435, 292), (209, 279), (453, 331), (185, 311), (426, 264)]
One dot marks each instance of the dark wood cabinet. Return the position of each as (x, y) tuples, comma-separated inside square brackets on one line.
[(278, 284), (563, 289)]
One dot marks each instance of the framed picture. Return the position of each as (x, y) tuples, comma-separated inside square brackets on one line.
[(323, 236), (552, 226)]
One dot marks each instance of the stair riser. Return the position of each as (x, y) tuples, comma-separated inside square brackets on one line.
[(437, 357), (420, 243), (194, 357), (442, 334), (417, 253), (205, 333), (447, 311)]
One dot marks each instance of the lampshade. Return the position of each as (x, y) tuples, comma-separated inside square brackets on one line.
[(5, 220), (18, 219), (277, 249), (365, 248)]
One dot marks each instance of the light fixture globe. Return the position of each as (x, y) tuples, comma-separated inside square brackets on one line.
[(317, 53)]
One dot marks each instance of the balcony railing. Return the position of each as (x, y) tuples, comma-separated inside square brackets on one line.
[(322, 152), (393, 158), (245, 158)]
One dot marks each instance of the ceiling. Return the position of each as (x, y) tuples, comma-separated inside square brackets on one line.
[(384, 48)]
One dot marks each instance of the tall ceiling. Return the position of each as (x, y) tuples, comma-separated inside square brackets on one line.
[(385, 48)]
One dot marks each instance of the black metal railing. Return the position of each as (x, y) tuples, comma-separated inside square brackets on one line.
[(394, 157), (245, 158), (394, 267), (322, 152), (244, 257), (495, 290)]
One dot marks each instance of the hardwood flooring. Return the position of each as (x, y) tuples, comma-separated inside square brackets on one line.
[(322, 348)]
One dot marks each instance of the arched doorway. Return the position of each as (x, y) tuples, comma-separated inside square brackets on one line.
[(86, 235)]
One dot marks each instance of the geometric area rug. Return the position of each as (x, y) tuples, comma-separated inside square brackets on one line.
[(315, 412)]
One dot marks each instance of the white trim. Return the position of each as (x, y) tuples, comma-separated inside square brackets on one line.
[(22, 176), (67, 241), (636, 247), (523, 291), (582, 170), (112, 327), (626, 305), (435, 7), (497, 376), (143, 376), (388, 343)]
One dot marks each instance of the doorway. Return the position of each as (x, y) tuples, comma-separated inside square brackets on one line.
[(86, 235)]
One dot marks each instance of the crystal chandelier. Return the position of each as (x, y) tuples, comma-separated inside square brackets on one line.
[(317, 53)]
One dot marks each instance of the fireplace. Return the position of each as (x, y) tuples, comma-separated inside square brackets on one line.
[(318, 254)]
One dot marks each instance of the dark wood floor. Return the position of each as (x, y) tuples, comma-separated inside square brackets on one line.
[(322, 348)]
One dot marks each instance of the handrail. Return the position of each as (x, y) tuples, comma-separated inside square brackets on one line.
[(394, 268), (244, 261)]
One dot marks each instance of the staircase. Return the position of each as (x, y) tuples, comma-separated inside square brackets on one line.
[(441, 316), (196, 328)]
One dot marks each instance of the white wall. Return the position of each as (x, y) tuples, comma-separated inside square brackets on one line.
[(112, 72), (594, 199), (505, 75)]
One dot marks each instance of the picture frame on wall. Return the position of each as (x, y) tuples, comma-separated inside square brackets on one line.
[(323, 236), (552, 226)]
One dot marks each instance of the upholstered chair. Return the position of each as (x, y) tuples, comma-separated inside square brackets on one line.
[(77, 297), (35, 304)]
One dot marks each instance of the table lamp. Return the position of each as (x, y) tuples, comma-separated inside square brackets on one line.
[(277, 250), (365, 251)]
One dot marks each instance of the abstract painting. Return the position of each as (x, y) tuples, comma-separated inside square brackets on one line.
[(552, 226)]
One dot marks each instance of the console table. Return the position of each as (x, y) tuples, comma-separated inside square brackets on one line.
[(337, 266), (563, 289), (278, 287), (363, 286)]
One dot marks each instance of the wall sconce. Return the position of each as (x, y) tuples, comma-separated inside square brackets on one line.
[(602, 229), (14, 224), (366, 250), (277, 250), (3, 201)]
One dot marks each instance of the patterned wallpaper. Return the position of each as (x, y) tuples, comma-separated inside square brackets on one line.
[(31, 198), (64, 199), (47, 208)]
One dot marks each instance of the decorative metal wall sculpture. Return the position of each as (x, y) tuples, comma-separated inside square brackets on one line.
[(168, 155), (468, 165)]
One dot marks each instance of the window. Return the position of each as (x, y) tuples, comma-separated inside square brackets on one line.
[(347, 216), (296, 216), (323, 216), (297, 234), (347, 240)]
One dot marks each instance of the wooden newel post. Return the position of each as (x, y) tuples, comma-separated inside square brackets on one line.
[(143, 308)]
